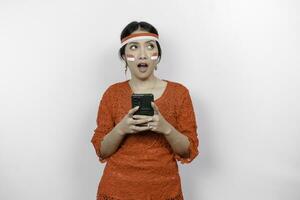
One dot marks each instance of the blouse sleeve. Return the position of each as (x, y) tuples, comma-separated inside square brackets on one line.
[(105, 124), (186, 122)]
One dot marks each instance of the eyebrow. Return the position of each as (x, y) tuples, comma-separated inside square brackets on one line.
[(137, 42)]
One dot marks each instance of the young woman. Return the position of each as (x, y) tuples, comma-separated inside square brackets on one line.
[(141, 150)]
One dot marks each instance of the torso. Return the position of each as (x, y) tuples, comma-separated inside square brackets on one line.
[(139, 154)]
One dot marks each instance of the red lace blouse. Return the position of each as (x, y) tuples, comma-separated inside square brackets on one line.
[(144, 166)]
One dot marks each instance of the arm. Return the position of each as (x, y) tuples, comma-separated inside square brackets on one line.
[(178, 141), (110, 143), (107, 137), (183, 139)]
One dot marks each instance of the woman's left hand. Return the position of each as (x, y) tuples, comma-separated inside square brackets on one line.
[(158, 123)]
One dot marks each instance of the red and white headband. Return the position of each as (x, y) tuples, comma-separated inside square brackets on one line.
[(139, 36)]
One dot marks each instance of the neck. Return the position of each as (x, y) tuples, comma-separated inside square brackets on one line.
[(143, 83)]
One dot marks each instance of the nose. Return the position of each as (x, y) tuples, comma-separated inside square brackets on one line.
[(142, 54)]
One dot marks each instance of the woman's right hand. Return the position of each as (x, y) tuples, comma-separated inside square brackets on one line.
[(128, 125)]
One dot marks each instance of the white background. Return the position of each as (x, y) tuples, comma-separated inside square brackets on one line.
[(239, 59)]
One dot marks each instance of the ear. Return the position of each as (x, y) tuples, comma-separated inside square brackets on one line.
[(124, 59), (158, 59), (157, 63)]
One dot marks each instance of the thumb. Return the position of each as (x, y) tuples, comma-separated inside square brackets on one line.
[(132, 111), (155, 108)]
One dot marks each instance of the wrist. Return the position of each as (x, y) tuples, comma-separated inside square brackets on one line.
[(119, 131), (168, 130)]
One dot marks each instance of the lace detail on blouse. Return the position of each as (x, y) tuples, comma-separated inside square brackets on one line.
[(105, 123), (144, 161), (107, 197), (187, 125)]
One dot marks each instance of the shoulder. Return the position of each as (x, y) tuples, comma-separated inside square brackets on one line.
[(114, 88), (178, 88)]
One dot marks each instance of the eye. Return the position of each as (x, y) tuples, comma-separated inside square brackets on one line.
[(131, 47), (151, 46)]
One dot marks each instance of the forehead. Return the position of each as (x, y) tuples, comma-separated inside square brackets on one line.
[(141, 41)]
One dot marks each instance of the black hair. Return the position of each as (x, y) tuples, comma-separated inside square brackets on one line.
[(133, 26)]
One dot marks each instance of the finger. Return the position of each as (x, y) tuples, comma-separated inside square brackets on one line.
[(140, 116), (155, 108), (153, 124), (141, 121), (140, 128), (132, 111), (155, 118)]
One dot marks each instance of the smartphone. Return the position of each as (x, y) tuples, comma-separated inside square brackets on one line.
[(144, 101)]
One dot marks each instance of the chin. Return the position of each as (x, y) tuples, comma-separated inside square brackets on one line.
[(144, 75)]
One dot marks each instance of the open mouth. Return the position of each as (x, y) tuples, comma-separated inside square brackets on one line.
[(142, 67)]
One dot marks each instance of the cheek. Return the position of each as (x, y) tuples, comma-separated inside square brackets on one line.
[(130, 57), (154, 56)]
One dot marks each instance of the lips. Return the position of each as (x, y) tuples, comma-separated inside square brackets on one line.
[(142, 65)]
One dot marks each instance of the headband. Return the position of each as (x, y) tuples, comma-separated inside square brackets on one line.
[(139, 36)]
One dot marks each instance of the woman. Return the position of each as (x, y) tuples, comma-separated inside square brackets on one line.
[(140, 150)]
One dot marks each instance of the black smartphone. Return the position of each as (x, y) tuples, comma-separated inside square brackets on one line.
[(144, 101)]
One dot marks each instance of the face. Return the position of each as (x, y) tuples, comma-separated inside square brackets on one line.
[(141, 57)]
